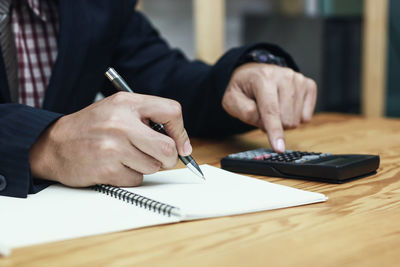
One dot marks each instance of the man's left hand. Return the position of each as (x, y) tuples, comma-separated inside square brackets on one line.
[(270, 97)]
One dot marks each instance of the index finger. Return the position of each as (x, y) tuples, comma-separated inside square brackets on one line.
[(268, 107)]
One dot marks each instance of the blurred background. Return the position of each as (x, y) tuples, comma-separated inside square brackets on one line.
[(351, 48)]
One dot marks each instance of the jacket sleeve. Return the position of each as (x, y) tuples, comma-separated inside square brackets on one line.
[(150, 66), (20, 126)]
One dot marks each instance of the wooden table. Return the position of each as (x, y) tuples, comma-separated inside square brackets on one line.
[(358, 226)]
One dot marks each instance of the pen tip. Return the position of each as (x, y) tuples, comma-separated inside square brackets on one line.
[(192, 165), (200, 173)]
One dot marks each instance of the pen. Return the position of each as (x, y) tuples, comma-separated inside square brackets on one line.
[(121, 85), (4, 251)]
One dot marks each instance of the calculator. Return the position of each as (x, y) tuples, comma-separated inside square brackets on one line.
[(324, 167)]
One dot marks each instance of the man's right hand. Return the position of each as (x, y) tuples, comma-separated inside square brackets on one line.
[(110, 142)]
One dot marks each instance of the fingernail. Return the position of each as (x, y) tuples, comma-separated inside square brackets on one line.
[(187, 148), (280, 145)]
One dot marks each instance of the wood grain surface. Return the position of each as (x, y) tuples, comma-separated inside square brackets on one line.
[(357, 226)]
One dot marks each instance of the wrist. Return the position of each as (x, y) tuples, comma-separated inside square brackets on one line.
[(42, 154)]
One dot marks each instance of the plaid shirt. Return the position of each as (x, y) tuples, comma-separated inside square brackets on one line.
[(35, 27)]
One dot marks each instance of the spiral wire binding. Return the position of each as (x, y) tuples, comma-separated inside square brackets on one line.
[(136, 199)]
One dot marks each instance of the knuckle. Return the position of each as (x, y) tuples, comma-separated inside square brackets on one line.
[(288, 123), (287, 126), (265, 72), (170, 163), (168, 148), (313, 85), (120, 97), (226, 99), (249, 113), (153, 166), (299, 76), (257, 74), (295, 123), (225, 105), (174, 109), (229, 101), (136, 180), (108, 173), (114, 124), (107, 146), (273, 110), (128, 179), (300, 81), (288, 73)]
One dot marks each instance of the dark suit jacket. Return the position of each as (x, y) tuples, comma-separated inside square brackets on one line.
[(97, 34)]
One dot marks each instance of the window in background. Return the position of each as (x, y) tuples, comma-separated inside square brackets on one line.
[(393, 92), (174, 20)]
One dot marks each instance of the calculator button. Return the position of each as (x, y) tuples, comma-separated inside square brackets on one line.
[(288, 156)]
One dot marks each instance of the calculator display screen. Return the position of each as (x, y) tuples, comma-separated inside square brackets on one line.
[(335, 161)]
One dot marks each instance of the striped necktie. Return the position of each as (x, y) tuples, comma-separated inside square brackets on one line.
[(8, 48)]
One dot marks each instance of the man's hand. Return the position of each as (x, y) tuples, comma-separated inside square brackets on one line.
[(110, 142), (270, 97)]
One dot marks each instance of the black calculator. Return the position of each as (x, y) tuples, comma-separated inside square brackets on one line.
[(324, 167)]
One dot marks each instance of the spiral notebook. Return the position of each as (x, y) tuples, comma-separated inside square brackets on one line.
[(59, 212)]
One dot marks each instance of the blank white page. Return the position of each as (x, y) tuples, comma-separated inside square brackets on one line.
[(223, 193)]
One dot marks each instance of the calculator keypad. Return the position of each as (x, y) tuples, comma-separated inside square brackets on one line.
[(269, 155)]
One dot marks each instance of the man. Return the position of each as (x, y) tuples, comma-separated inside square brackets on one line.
[(53, 131)]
